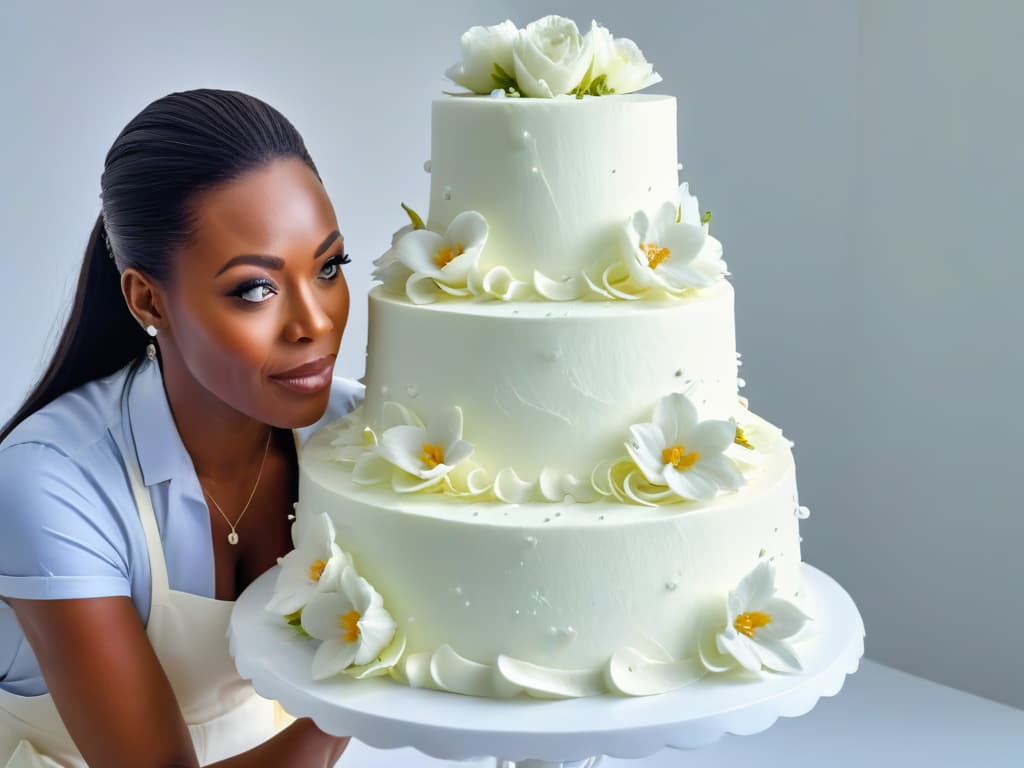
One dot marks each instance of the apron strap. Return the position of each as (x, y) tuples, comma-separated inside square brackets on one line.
[(154, 547)]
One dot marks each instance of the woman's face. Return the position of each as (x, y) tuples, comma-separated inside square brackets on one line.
[(259, 291)]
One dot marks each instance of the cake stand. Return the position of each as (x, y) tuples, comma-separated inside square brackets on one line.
[(533, 733)]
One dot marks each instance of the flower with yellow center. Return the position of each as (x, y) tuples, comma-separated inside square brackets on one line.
[(670, 250), (759, 627), (311, 566), (679, 451), (447, 253), (350, 621), (432, 455), (415, 458), (436, 264)]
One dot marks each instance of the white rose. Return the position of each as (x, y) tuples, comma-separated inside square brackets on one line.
[(550, 57), (482, 48), (620, 61)]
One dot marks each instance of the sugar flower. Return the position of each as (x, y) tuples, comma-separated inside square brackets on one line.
[(415, 459), (681, 452), (442, 262), (352, 623), (550, 57), (310, 568), (758, 628), (485, 50), (619, 65)]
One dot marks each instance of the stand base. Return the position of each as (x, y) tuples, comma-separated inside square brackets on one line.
[(543, 734)]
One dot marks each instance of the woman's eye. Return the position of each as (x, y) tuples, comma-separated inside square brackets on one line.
[(255, 292), (333, 265)]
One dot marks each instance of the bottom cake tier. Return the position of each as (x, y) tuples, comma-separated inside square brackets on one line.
[(497, 599)]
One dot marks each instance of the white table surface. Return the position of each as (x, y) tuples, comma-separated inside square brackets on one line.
[(881, 717)]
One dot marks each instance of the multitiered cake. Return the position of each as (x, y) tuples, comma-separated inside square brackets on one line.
[(552, 487)]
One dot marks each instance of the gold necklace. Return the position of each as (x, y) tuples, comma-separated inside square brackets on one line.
[(233, 536)]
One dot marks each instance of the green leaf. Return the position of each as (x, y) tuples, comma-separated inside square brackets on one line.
[(706, 218), (417, 222), (503, 79)]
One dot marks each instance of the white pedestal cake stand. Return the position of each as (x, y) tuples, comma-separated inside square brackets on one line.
[(530, 733)]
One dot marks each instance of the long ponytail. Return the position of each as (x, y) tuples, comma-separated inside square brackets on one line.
[(177, 147)]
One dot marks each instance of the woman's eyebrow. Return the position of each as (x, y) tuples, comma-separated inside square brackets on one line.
[(274, 262)]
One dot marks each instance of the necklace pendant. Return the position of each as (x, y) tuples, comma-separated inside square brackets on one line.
[(232, 538)]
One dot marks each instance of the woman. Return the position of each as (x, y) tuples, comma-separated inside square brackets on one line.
[(216, 236)]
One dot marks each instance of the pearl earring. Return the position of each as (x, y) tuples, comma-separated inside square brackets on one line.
[(151, 348)]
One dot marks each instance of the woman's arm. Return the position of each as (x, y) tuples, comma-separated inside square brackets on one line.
[(115, 700)]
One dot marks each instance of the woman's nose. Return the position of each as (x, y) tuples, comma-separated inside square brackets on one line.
[(308, 316)]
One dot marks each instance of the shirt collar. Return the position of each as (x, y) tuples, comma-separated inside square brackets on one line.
[(157, 443)]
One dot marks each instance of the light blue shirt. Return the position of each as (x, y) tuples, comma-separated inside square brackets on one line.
[(68, 523)]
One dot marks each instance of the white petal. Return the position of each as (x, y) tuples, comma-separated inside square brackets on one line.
[(421, 288), (457, 452), (689, 208), (721, 471), (418, 250), (510, 489), (787, 619), (403, 446), (370, 469), (630, 487), (712, 436), (445, 428), (690, 484), (756, 587), (394, 414), (321, 614), (468, 228), (376, 628), (331, 657), (572, 287), (676, 417), (649, 444), (739, 647), (393, 277), (777, 655), (403, 482)]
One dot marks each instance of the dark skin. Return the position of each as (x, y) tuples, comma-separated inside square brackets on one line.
[(217, 352)]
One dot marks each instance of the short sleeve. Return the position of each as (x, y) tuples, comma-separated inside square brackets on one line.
[(60, 535)]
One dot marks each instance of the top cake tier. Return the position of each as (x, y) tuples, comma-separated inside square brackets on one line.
[(554, 178)]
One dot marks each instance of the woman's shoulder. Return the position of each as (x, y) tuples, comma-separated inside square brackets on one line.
[(75, 421)]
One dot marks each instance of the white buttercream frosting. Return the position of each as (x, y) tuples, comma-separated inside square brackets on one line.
[(499, 600)]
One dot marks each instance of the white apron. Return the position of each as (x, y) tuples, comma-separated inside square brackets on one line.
[(224, 714)]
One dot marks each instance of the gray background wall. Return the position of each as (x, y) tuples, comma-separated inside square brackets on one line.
[(862, 160)]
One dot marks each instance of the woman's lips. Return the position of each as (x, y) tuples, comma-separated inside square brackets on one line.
[(308, 378)]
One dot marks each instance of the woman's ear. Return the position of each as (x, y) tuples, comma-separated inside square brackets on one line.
[(144, 298)]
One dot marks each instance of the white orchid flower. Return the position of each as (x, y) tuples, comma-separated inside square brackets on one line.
[(442, 262), (482, 49), (664, 252), (758, 628), (550, 57), (415, 459), (351, 622), (310, 568), (681, 452)]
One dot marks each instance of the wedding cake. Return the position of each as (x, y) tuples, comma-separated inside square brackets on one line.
[(553, 487)]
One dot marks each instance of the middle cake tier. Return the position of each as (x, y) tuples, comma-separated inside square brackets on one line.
[(549, 386)]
